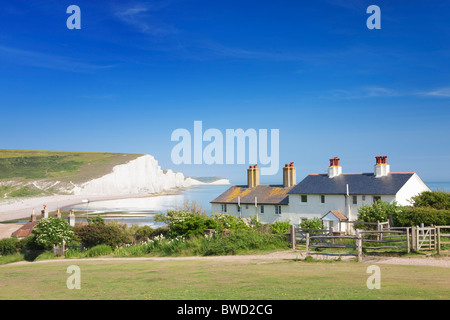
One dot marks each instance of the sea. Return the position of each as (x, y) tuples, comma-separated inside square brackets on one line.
[(141, 211)]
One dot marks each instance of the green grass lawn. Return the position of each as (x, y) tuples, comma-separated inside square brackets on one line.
[(220, 279)]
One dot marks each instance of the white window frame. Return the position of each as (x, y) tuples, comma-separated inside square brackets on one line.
[(277, 209)]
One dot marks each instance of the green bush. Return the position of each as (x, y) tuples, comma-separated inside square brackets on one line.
[(241, 241), (416, 216), (227, 221), (434, 199), (186, 224), (280, 227), (52, 231), (100, 250), (314, 223), (95, 234), (9, 246), (378, 211)]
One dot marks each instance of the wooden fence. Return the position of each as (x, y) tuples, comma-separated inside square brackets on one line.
[(404, 239), (439, 234)]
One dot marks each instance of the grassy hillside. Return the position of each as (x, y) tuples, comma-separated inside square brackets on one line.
[(20, 168)]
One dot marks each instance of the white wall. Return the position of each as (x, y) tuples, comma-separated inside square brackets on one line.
[(247, 211), (411, 188)]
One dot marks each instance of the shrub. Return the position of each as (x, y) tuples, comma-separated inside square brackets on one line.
[(242, 240), (92, 235), (142, 233), (9, 246), (228, 221), (378, 211), (280, 227), (416, 216), (186, 224), (96, 220), (434, 199), (52, 231), (314, 223), (100, 250)]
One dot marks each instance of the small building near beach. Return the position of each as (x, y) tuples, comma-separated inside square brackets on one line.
[(334, 197)]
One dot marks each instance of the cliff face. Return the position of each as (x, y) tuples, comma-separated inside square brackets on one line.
[(140, 176)]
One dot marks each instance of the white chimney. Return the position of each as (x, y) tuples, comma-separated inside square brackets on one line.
[(381, 168), (72, 218), (334, 169)]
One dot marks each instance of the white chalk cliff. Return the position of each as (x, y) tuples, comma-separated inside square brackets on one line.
[(140, 176)]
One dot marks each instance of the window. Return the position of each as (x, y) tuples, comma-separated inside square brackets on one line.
[(322, 199), (355, 199), (304, 198), (363, 198), (277, 209), (376, 198), (262, 209), (224, 208)]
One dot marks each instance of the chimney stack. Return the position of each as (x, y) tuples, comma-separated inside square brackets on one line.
[(381, 168), (253, 176), (33, 216), (334, 169), (44, 212), (289, 175), (72, 218)]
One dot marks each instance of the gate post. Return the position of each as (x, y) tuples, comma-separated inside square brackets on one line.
[(293, 237), (413, 238), (408, 248), (307, 244), (359, 245), (438, 238)]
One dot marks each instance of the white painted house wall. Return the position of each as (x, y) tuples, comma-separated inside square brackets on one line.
[(412, 187), (249, 210)]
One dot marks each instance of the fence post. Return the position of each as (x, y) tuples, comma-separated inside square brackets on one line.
[(408, 248), (413, 237), (293, 237), (438, 238), (307, 244), (417, 238), (359, 245)]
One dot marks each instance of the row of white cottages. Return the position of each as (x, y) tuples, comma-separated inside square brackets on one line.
[(334, 197)]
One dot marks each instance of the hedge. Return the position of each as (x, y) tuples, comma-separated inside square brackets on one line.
[(416, 216)]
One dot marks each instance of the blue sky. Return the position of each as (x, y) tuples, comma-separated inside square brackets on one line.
[(138, 70)]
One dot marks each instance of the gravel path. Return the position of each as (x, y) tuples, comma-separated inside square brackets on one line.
[(274, 256)]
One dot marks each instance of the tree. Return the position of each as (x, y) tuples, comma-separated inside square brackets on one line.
[(52, 231)]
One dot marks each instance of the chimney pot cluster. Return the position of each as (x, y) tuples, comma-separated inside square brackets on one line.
[(334, 162), (381, 159)]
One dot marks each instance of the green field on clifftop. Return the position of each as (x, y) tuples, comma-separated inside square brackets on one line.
[(18, 168)]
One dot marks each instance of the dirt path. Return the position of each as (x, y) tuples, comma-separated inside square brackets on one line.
[(274, 256)]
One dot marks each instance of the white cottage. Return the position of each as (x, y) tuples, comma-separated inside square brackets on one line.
[(334, 197)]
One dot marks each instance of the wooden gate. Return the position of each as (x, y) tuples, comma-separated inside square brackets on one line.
[(425, 238)]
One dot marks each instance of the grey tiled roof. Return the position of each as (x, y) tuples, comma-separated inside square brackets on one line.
[(359, 184)]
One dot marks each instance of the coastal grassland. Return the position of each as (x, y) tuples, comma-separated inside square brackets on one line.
[(32, 173), (220, 278), (32, 164)]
